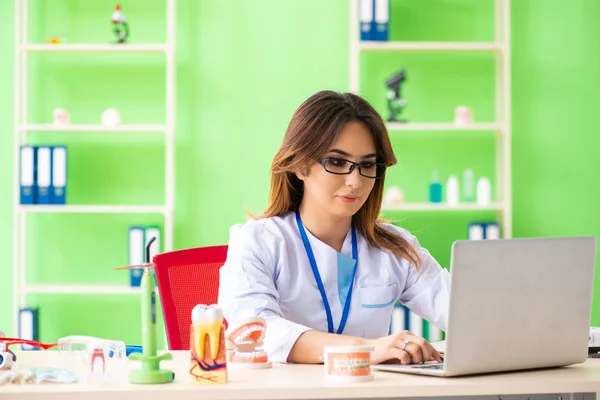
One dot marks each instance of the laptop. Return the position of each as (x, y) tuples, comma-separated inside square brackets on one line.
[(515, 304)]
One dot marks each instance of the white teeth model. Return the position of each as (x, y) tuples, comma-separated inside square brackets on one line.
[(207, 320), (250, 325)]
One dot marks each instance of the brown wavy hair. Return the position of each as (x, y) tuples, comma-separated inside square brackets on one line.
[(312, 129)]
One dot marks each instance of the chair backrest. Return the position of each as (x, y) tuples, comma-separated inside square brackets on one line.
[(186, 278)]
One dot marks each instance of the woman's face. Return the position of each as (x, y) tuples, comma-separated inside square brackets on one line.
[(342, 195)]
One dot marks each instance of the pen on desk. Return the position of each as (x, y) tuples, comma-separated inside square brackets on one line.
[(134, 266)]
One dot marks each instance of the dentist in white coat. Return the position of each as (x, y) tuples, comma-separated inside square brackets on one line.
[(318, 265)]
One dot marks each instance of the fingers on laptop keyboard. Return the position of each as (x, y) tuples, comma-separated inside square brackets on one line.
[(400, 356), (415, 351), (416, 348)]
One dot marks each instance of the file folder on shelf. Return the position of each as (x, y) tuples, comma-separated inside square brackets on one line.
[(28, 326), (404, 319), (483, 230), (476, 231), (136, 254), (382, 18), (398, 319), (435, 333), (27, 176), (44, 174), (416, 324), (366, 21), (492, 231), (58, 193)]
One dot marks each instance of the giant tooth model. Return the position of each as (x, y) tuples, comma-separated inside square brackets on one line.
[(207, 345)]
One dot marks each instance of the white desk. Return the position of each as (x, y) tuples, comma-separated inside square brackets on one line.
[(308, 382)]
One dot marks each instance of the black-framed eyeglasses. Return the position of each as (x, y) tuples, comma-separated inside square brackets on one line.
[(340, 166)]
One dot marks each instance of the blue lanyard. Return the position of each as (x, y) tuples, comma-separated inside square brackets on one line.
[(313, 264)]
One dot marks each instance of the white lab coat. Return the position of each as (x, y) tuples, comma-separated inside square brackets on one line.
[(268, 273)]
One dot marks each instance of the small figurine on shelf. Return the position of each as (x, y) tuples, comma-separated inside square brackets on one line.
[(396, 102), (463, 116), (60, 117), (120, 26), (246, 341), (393, 197), (54, 40), (110, 118)]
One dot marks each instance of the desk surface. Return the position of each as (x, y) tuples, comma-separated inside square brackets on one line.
[(306, 382)]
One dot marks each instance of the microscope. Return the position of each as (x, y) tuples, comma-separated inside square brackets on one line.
[(396, 102)]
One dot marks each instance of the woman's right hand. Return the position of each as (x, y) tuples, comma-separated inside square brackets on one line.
[(403, 347)]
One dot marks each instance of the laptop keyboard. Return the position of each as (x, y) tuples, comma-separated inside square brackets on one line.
[(431, 366)]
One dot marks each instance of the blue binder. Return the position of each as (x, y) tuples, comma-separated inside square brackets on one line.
[(399, 318), (476, 231), (484, 230), (27, 174), (44, 174), (58, 193), (136, 254), (366, 21), (492, 231), (382, 19)]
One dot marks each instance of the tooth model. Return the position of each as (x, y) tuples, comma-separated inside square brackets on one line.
[(247, 340), (207, 345)]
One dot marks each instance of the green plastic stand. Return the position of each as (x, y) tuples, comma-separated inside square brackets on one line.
[(150, 371)]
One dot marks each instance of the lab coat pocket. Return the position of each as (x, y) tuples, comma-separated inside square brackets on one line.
[(376, 305), (377, 296)]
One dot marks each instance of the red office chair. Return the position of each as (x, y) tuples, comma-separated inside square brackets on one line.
[(186, 278)]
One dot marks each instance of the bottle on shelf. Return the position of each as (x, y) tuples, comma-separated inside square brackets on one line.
[(484, 189), (468, 192), (452, 190), (435, 187)]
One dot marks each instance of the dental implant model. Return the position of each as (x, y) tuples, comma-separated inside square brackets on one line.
[(246, 341), (207, 345)]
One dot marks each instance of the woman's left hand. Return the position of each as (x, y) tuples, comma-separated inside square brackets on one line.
[(403, 347)]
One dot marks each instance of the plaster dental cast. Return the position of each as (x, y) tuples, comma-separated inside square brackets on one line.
[(318, 265)]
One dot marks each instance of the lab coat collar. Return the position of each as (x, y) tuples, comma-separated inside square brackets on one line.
[(324, 249)]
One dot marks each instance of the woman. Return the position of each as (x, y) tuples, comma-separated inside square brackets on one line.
[(318, 263)]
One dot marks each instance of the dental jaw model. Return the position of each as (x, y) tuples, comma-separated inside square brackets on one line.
[(207, 345), (246, 341)]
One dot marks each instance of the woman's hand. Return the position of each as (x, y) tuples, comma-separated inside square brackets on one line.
[(403, 347)]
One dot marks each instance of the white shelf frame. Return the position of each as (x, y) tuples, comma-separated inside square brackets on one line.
[(79, 289), (93, 209), (442, 126), (22, 128), (443, 207), (501, 49), (94, 128), (95, 48), (430, 46)]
